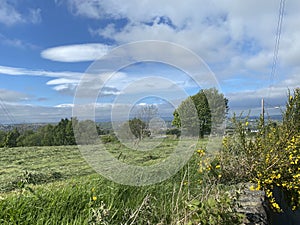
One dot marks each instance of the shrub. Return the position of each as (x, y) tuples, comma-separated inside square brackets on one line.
[(270, 159), (108, 138), (279, 164)]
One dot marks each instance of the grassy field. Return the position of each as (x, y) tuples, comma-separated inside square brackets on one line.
[(55, 185)]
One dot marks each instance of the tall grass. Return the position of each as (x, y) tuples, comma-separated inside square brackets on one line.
[(91, 199), (95, 200)]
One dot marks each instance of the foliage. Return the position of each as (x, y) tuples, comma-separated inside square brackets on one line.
[(211, 108), (108, 138), (218, 209), (94, 200), (218, 105), (137, 127), (2, 138), (53, 135), (11, 138), (173, 131), (280, 156), (134, 129), (271, 158), (146, 113), (60, 188)]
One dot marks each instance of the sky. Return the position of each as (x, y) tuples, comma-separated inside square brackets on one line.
[(55, 53)]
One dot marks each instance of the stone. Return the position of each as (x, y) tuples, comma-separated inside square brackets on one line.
[(252, 205)]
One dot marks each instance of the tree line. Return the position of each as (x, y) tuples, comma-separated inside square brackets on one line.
[(48, 135), (198, 115)]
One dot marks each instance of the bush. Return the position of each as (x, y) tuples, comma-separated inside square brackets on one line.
[(270, 159), (108, 138)]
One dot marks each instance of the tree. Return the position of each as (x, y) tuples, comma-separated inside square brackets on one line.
[(218, 105), (47, 135), (2, 138), (146, 113), (63, 133), (85, 131), (11, 138), (211, 108), (138, 128), (30, 138)]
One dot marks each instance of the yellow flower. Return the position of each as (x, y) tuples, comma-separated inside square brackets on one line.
[(276, 206), (252, 188), (94, 198), (218, 166)]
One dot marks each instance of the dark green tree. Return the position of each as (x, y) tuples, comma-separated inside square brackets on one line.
[(218, 105), (47, 135), (138, 128), (63, 133), (11, 138), (85, 131), (30, 138), (211, 109), (2, 138)]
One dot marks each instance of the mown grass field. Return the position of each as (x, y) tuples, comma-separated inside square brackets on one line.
[(55, 185)]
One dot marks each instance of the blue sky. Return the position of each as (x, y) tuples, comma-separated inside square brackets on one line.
[(48, 46)]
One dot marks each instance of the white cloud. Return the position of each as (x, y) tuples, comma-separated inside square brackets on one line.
[(9, 15), (65, 82), (16, 42), (16, 113), (12, 96), (67, 105), (218, 32), (62, 81), (35, 16), (6, 70), (76, 53)]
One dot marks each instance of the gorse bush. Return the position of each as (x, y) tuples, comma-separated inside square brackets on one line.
[(271, 158), (279, 148)]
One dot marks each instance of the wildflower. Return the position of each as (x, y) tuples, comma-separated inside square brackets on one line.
[(201, 152), (218, 166), (94, 198), (276, 206), (252, 188)]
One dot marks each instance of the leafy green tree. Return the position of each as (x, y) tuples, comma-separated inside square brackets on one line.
[(138, 128), (2, 138), (69, 133), (24, 137), (47, 135), (11, 138), (218, 105), (211, 107), (85, 131), (63, 133), (191, 122), (30, 138)]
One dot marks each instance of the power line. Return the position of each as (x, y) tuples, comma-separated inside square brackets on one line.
[(277, 41), (6, 111)]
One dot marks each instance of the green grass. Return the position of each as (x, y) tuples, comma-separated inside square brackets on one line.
[(61, 161), (62, 188)]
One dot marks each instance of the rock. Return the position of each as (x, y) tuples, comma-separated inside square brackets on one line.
[(251, 204)]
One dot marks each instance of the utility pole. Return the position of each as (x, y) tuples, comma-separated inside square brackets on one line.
[(263, 111)]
